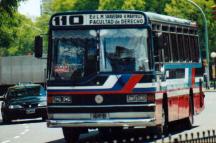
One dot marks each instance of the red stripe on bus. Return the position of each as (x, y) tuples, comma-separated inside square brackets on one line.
[(193, 77), (126, 89)]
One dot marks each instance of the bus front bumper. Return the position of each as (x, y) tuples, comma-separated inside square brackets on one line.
[(102, 123)]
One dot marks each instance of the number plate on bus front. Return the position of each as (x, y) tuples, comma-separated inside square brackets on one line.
[(99, 115)]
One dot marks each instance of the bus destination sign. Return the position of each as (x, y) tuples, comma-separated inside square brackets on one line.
[(99, 19)]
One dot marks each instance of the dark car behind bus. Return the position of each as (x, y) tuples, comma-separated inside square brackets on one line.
[(24, 101)]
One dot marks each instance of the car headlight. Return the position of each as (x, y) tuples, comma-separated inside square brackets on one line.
[(15, 107), (42, 104)]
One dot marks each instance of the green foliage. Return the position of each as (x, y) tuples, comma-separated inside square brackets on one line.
[(184, 9), (17, 35), (22, 36), (9, 6), (9, 24), (156, 5), (121, 4), (70, 5)]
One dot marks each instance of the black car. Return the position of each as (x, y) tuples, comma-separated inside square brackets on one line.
[(24, 101)]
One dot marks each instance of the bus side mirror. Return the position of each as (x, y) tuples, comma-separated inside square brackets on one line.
[(38, 46)]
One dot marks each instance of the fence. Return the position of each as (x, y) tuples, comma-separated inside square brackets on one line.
[(199, 137), (203, 137)]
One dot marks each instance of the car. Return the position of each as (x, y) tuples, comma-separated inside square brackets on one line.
[(24, 101)]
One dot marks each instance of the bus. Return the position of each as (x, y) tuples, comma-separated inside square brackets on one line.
[(113, 70)]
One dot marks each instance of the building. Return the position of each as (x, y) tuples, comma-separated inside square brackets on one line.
[(44, 4)]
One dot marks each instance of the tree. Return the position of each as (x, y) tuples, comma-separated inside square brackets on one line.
[(9, 6), (122, 4), (156, 5), (184, 9), (7, 22), (70, 5)]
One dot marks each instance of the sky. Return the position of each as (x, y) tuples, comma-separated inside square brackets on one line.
[(30, 8)]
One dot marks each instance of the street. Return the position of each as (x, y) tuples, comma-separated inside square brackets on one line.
[(35, 131)]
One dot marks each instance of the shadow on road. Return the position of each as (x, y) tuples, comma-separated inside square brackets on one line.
[(58, 141), (26, 121), (129, 135)]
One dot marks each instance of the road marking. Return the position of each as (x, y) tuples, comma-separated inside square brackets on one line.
[(23, 133), (7, 141), (16, 137), (26, 130)]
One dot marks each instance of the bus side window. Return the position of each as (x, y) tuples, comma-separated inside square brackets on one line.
[(166, 47), (158, 49)]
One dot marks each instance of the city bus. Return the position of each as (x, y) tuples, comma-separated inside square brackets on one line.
[(113, 70)]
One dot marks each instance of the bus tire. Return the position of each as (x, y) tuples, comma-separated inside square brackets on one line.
[(104, 131), (71, 135), (190, 119), (164, 124), (108, 130), (164, 115)]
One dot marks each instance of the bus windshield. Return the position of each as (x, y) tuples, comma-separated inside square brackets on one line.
[(124, 50), (76, 52)]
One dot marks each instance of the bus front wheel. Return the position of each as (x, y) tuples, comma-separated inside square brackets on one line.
[(71, 135)]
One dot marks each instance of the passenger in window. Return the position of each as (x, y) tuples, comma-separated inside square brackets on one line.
[(123, 60)]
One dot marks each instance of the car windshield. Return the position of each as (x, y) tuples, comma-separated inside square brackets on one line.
[(26, 91)]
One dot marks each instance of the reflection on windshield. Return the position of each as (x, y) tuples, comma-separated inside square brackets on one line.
[(75, 54), (25, 91), (124, 50)]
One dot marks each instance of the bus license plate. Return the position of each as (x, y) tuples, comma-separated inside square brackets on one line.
[(30, 111), (99, 115)]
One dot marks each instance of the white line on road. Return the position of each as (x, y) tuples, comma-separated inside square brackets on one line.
[(26, 130), (16, 137), (7, 141)]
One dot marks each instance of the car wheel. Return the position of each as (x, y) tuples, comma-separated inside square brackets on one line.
[(44, 118), (5, 118)]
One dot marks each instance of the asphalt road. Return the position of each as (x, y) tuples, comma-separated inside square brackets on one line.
[(35, 131)]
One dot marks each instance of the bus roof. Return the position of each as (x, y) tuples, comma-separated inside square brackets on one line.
[(153, 17), (169, 19)]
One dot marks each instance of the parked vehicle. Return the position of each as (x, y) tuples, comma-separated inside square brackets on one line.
[(24, 101)]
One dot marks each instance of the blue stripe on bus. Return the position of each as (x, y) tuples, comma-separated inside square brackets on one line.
[(151, 89), (182, 65)]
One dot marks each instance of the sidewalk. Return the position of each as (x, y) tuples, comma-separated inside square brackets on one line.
[(211, 89)]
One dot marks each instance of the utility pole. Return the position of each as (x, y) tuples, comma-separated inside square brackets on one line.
[(205, 38)]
